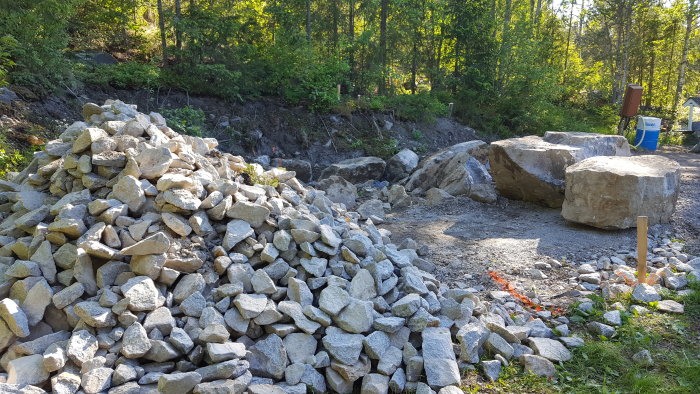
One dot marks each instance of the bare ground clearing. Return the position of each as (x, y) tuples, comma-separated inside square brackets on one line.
[(467, 239)]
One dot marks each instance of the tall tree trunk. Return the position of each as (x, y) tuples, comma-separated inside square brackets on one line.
[(580, 18), (690, 19), (619, 58), (455, 72), (670, 58), (505, 43), (161, 25), (308, 20), (650, 84), (414, 66), (494, 6), (336, 16), (351, 36), (178, 32), (568, 40), (627, 27), (382, 44)]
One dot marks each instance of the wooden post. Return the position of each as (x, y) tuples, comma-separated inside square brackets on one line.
[(690, 117), (642, 227)]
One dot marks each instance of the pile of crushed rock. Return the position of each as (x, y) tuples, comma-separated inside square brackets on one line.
[(134, 259)]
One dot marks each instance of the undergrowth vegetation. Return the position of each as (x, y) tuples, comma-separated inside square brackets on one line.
[(605, 365)]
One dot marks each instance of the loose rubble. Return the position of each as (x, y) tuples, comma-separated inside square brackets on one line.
[(134, 259)]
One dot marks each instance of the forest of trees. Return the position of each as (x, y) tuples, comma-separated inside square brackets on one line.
[(508, 66)]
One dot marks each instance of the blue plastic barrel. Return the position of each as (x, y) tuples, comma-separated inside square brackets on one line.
[(648, 137)]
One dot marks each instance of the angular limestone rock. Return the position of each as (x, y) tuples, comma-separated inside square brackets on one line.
[(610, 192)]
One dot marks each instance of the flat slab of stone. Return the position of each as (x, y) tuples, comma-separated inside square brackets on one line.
[(610, 192), (550, 349), (357, 170)]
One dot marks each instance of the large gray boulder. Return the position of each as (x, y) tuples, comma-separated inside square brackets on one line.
[(610, 192), (302, 168), (357, 170), (339, 190), (593, 144), (533, 168), (455, 170), (400, 165)]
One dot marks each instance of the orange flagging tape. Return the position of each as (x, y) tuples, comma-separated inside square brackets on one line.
[(514, 292)]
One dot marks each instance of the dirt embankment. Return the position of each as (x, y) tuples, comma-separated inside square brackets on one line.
[(268, 127)]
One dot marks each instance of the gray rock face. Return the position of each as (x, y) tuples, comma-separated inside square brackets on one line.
[(597, 328), (236, 231), (550, 349), (645, 293), (302, 168), (81, 347), (538, 365), (456, 171), (178, 383), (339, 190), (356, 170), (142, 293), (342, 346), (28, 370), (670, 306), (471, 338), (610, 192), (135, 342), (400, 165), (533, 168), (268, 357), (357, 317), (14, 317), (439, 358), (375, 383), (492, 369)]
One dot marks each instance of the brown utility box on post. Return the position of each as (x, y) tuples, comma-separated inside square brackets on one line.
[(633, 98)]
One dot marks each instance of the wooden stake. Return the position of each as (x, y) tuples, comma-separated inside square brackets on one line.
[(642, 227)]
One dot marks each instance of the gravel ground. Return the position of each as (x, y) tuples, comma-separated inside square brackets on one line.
[(466, 239)]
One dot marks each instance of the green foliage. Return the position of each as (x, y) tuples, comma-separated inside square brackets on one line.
[(306, 75), (417, 107), (676, 138), (207, 79), (39, 38), (510, 68), (11, 161), (417, 135), (14, 159), (185, 120), (381, 147), (258, 179), (7, 43), (692, 300), (128, 75)]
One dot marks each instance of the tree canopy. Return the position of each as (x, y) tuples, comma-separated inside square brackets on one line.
[(508, 66)]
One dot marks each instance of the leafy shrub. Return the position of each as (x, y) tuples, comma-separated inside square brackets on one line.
[(39, 29), (127, 75), (185, 120), (256, 179), (208, 79), (417, 107), (14, 159), (306, 76), (382, 147), (6, 45)]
